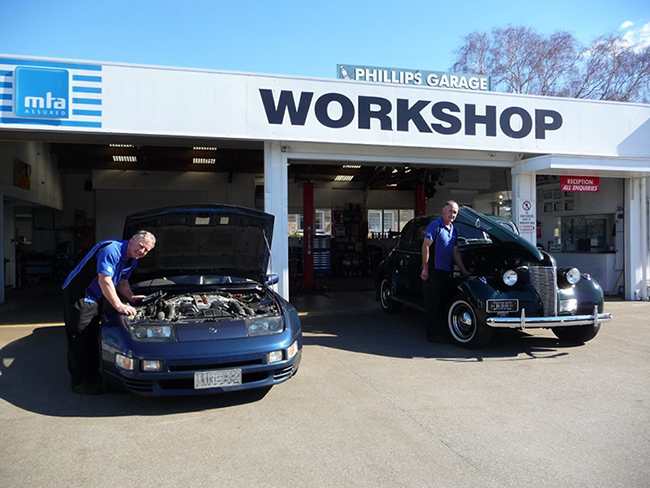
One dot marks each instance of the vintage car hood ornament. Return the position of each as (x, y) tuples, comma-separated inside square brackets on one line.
[(204, 239)]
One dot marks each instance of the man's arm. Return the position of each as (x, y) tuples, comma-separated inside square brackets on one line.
[(108, 289), (426, 244), (459, 261), (124, 288)]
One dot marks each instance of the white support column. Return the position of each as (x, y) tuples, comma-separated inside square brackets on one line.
[(644, 239), (2, 249), (636, 239), (276, 202), (524, 189)]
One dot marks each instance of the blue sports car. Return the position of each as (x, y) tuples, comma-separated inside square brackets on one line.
[(210, 322)]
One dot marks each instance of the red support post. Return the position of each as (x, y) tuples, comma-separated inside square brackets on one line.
[(420, 201), (308, 236)]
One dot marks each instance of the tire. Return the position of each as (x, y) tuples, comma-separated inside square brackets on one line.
[(578, 334), (464, 326), (388, 305)]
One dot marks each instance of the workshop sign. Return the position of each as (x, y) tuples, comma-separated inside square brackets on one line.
[(577, 184), (417, 77)]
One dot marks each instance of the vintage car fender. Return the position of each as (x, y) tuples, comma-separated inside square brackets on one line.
[(587, 291)]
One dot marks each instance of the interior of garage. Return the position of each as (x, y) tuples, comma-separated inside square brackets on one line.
[(359, 208)]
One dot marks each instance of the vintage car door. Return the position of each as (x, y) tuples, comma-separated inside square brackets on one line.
[(411, 263)]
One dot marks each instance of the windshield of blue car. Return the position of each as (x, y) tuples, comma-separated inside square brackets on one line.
[(193, 280)]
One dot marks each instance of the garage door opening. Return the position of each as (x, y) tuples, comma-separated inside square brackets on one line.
[(361, 208)]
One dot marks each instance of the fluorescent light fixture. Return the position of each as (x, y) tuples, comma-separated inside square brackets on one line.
[(121, 145), (201, 148), (343, 177), (204, 161), (125, 159), (394, 170), (391, 184), (351, 166)]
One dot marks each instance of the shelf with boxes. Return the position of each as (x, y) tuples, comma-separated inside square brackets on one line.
[(350, 233)]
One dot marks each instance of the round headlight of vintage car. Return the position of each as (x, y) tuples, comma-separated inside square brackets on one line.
[(572, 276), (510, 277)]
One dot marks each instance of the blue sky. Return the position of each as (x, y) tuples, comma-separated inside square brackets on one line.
[(292, 37)]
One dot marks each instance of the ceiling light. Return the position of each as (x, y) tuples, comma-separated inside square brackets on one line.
[(125, 159), (391, 184), (201, 148), (394, 170), (121, 145), (343, 177), (204, 161), (351, 166)]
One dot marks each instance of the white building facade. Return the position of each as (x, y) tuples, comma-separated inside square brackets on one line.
[(317, 120)]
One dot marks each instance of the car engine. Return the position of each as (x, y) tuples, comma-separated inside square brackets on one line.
[(204, 306)]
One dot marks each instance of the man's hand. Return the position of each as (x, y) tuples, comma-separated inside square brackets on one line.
[(424, 275), (137, 299), (127, 310)]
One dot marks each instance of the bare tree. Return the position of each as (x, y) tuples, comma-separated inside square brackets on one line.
[(520, 60)]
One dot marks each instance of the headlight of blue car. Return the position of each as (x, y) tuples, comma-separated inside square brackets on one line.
[(146, 332), (261, 326)]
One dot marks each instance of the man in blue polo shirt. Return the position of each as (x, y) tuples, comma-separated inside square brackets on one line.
[(102, 274), (440, 246)]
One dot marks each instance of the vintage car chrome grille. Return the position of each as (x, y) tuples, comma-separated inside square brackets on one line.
[(544, 280)]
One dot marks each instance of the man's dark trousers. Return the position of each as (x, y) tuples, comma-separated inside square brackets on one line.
[(434, 292), (82, 328)]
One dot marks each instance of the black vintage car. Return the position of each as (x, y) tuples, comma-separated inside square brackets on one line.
[(512, 284)]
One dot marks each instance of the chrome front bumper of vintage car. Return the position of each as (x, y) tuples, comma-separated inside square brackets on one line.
[(523, 322)]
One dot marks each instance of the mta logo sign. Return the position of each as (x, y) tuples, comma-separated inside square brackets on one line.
[(42, 92)]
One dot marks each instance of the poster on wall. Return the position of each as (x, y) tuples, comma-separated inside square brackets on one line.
[(22, 174)]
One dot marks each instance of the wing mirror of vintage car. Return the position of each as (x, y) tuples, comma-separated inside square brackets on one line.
[(271, 279)]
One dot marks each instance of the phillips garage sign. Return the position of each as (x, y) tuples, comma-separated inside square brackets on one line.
[(574, 183)]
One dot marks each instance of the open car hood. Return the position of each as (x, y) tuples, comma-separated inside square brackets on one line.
[(496, 231), (204, 239)]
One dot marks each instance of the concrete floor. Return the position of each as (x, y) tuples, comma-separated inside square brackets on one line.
[(373, 404)]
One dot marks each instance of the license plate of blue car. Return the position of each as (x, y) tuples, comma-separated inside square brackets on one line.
[(502, 305), (215, 379)]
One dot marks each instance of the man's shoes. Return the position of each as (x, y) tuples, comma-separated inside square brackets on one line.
[(86, 389)]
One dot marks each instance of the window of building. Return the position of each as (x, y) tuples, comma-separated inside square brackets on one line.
[(381, 221), (322, 222), (591, 233)]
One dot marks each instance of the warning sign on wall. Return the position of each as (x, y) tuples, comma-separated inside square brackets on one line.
[(574, 183), (526, 216)]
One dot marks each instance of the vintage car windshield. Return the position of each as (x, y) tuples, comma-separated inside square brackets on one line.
[(193, 280), (470, 234)]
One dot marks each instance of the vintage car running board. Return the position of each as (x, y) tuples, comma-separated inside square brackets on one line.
[(524, 322)]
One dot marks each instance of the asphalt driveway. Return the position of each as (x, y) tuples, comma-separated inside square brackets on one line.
[(373, 404)]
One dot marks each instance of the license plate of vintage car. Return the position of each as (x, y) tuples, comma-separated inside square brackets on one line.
[(215, 379), (502, 305)]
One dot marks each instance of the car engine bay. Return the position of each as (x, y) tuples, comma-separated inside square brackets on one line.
[(491, 260), (210, 305)]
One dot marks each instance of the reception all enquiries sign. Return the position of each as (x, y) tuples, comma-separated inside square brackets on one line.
[(578, 184)]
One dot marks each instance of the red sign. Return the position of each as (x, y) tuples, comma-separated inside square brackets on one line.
[(574, 183)]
